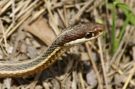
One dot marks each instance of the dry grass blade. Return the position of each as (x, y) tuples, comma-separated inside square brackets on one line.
[(121, 49), (100, 82), (129, 77), (103, 64)]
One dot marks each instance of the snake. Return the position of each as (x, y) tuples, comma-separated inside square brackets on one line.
[(61, 44)]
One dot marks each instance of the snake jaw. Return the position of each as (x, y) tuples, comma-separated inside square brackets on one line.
[(82, 40)]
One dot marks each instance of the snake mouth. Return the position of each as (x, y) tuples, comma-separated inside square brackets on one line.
[(83, 40)]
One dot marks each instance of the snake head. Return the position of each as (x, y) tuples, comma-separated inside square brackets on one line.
[(96, 29), (80, 33)]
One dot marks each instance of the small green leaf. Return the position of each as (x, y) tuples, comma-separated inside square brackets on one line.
[(131, 17)]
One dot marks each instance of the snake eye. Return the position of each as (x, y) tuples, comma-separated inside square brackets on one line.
[(89, 34)]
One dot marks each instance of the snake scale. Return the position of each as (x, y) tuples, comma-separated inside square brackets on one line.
[(48, 57)]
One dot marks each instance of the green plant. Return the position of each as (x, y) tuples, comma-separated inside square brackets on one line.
[(130, 18)]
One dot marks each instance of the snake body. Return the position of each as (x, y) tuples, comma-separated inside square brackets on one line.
[(48, 57)]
